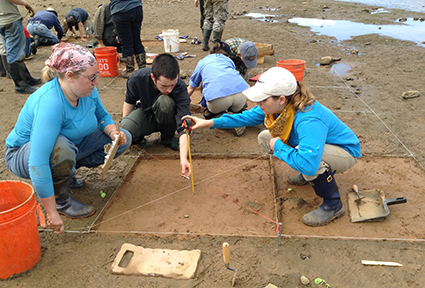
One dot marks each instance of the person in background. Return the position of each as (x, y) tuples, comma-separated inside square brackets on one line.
[(200, 4), (62, 126), (27, 49), (244, 55), (80, 19), (40, 27), (103, 28), (127, 16), (155, 101), (301, 132), (4, 67), (222, 85), (13, 37), (215, 13)]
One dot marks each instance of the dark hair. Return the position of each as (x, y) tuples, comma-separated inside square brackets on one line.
[(165, 65), (221, 48), (71, 21)]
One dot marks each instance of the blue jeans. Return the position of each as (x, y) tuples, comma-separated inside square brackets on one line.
[(13, 37), (45, 35), (66, 157), (128, 25)]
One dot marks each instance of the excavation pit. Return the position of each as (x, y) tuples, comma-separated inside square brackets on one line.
[(232, 196)]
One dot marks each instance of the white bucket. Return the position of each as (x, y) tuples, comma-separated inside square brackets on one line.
[(171, 40)]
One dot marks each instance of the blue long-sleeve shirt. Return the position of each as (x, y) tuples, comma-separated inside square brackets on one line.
[(311, 130), (78, 13), (46, 115), (49, 20), (219, 77)]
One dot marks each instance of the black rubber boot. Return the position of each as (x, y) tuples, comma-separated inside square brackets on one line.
[(141, 60), (30, 80), (205, 39), (76, 183), (4, 68), (18, 72), (68, 206), (217, 36), (325, 186)]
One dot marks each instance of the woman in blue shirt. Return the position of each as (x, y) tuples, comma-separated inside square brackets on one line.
[(222, 85), (62, 126), (302, 133)]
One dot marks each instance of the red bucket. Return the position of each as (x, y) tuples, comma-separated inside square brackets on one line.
[(107, 59), (19, 241), (296, 67)]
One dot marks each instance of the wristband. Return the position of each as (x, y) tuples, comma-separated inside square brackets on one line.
[(109, 134)]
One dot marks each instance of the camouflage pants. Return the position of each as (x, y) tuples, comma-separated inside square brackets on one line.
[(215, 13)]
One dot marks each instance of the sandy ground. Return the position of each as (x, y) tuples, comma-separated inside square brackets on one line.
[(368, 98)]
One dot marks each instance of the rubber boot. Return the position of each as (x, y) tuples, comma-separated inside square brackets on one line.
[(5, 66), (217, 36), (206, 38), (2, 68), (30, 80), (297, 180), (129, 67), (325, 186), (68, 206), (19, 75), (141, 60)]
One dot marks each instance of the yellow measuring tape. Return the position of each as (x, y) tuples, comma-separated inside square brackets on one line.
[(190, 157)]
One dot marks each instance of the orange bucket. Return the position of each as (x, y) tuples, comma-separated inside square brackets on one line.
[(296, 67), (107, 59), (19, 242)]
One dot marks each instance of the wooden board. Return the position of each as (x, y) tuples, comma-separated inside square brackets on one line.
[(264, 49)]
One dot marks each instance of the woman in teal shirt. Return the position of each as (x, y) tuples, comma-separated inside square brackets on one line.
[(301, 132), (62, 126)]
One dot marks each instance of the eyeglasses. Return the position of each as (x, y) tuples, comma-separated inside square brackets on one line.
[(90, 78)]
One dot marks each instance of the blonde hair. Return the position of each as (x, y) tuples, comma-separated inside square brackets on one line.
[(48, 74), (302, 97)]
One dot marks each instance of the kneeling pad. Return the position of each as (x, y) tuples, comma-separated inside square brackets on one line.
[(157, 262)]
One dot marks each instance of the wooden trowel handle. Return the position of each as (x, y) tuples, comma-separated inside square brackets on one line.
[(355, 188), (226, 253)]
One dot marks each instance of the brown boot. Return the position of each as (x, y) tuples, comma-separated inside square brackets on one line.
[(141, 60), (129, 67)]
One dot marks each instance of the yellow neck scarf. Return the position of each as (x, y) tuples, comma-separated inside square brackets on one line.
[(281, 126)]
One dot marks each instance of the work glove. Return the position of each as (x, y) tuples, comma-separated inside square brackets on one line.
[(30, 10)]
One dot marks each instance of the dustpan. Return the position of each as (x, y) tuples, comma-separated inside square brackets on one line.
[(373, 207)]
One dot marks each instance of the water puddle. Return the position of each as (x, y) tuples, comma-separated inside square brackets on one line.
[(336, 68), (408, 5), (263, 17), (408, 29), (380, 11)]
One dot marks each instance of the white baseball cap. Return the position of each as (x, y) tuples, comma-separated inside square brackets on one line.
[(276, 81)]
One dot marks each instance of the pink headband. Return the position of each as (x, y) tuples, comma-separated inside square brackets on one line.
[(70, 57)]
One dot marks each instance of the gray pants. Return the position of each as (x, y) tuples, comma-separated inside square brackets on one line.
[(161, 119), (334, 156), (233, 103)]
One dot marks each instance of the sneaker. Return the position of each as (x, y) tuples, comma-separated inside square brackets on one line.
[(172, 143), (76, 183), (33, 48), (239, 131), (297, 180)]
